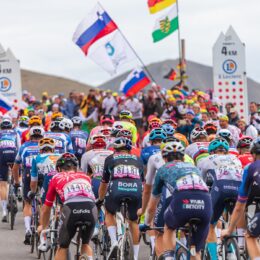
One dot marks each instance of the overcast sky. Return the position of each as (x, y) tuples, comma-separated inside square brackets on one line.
[(39, 32)]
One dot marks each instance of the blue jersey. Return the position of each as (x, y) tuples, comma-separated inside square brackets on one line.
[(178, 177), (250, 186), (63, 142), (149, 151), (26, 154), (9, 139), (43, 164), (79, 140), (20, 130)]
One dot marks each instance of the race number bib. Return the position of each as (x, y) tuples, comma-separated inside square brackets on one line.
[(122, 171), (28, 161), (58, 144), (191, 182), (229, 172), (7, 144), (81, 143), (97, 170)]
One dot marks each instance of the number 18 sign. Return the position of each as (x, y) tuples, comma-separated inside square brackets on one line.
[(229, 72)]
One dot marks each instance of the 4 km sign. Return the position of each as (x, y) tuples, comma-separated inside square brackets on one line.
[(229, 69), (10, 77)]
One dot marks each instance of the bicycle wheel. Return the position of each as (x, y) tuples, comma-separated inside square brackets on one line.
[(181, 254), (126, 250), (105, 242), (13, 210), (32, 241), (230, 249)]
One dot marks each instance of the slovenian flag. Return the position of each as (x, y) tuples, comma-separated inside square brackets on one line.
[(96, 25), (134, 82), (5, 104), (158, 5)]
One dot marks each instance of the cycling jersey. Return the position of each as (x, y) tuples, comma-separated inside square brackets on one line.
[(250, 186), (146, 141), (233, 150), (180, 176), (63, 142), (25, 136), (20, 130), (128, 126), (71, 187), (9, 139), (120, 166), (149, 151), (79, 142), (197, 150), (245, 159), (43, 164)]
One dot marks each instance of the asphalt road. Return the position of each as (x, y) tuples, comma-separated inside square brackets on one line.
[(12, 247)]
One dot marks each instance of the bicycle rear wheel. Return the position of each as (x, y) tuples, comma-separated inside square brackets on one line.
[(181, 254), (126, 250), (230, 249), (13, 210)]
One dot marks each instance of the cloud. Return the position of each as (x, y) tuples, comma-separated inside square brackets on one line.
[(40, 32)]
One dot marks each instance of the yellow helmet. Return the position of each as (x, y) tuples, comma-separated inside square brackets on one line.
[(56, 115), (35, 120)]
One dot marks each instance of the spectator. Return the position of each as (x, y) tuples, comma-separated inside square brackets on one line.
[(69, 108), (205, 117), (213, 113), (233, 116), (152, 104), (196, 109), (254, 116), (247, 130), (109, 104), (228, 107)]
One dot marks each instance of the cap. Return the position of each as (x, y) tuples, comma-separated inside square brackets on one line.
[(214, 109), (223, 117), (45, 94), (191, 112)]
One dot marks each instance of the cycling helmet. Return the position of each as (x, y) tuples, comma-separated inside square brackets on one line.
[(169, 122), (76, 120), (55, 115), (46, 142), (157, 134), (67, 159), (35, 120), (174, 147), (36, 131), (255, 146), (6, 124), (122, 142), (125, 133), (197, 132), (218, 143), (107, 119), (67, 123), (245, 142), (154, 125), (155, 119), (172, 139), (168, 129), (116, 128), (106, 131), (210, 128), (182, 138), (125, 114), (226, 134), (98, 141), (23, 121)]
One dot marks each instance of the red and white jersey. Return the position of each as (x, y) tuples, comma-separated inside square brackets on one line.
[(70, 186), (245, 159)]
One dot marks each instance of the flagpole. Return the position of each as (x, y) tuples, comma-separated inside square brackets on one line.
[(137, 56), (179, 42)]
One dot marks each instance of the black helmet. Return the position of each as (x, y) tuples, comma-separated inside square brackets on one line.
[(67, 159), (255, 146), (6, 124)]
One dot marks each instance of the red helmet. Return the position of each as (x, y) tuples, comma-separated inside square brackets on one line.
[(106, 131), (98, 141), (245, 142), (107, 119), (153, 125)]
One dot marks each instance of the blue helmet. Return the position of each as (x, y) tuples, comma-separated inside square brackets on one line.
[(157, 134), (218, 143), (168, 129)]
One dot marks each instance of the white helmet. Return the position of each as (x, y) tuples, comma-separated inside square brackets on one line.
[(36, 131), (67, 123), (225, 133), (196, 132), (173, 147)]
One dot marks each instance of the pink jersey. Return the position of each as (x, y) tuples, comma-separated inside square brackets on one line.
[(70, 186)]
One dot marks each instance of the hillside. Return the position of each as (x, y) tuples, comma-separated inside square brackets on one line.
[(36, 83), (200, 77)]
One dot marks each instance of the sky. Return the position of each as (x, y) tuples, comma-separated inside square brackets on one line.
[(39, 33)]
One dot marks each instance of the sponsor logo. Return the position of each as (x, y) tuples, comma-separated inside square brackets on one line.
[(5, 84), (193, 204), (229, 66), (81, 211), (124, 186)]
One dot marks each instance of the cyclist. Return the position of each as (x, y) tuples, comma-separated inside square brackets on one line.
[(23, 124), (198, 149), (62, 140), (78, 138), (189, 199), (9, 145), (152, 124), (225, 172), (211, 130), (33, 121), (68, 125), (92, 161), (122, 178), (243, 148), (226, 134), (43, 166), (25, 157), (75, 192), (249, 189), (168, 129)]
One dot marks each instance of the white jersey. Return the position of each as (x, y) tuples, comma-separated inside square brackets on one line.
[(146, 141), (223, 167), (92, 162), (154, 163), (196, 149)]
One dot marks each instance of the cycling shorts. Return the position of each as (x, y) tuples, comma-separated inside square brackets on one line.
[(95, 186), (7, 156), (73, 212), (165, 201), (253, 226), (26, 179), (221, 191), (186, 205), (121, 189)]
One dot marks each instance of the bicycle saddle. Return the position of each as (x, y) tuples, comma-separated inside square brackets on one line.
[(194, 221), (82, 223), (125, 200)]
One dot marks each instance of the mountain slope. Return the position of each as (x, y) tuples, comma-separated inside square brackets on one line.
[(200, 77)]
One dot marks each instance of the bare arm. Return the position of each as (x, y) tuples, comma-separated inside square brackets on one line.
[(15, 172), (102, 190), (151, 209), (45, 216)]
